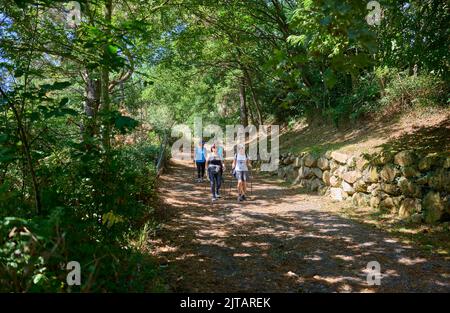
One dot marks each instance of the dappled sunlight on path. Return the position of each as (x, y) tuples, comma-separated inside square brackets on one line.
[(281, 240)]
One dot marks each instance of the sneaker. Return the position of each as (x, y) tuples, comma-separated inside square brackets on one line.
[(244, 197), (240, 198), (214, 199), (218, 196)]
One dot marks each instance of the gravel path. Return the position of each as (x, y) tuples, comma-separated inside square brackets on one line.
[(281, 240)]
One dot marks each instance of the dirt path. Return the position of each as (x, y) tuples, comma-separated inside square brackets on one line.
[(282, 240)]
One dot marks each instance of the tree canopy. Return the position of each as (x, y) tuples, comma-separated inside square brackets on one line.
[(87, 96)]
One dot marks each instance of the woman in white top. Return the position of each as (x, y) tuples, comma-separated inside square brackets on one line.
[(240, 166)]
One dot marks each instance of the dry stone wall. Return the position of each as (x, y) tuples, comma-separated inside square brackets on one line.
[(416, 187)]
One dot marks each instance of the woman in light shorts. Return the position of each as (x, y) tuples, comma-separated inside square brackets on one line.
[(240, 166)]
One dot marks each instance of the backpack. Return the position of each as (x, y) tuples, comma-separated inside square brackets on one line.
[(235, 157), (215, 169)]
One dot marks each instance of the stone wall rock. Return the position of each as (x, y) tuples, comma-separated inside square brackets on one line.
[(389, 173), (310, 160), (360, 186), (404, 158), (298, 162), (415, 187), (348, 188), (335, 181), (409, 207), (433, 207), (304, 172), (427, 162), (410, 172), (326, 177), (337, 194), (341, 170), (361, 164), (351, 162), (351, 177), (390, 189), (361, 199), (408, 188), (375, 202), (315, 184), (317, 172), (333, 166), (387, 203), (370, 175), (339, 157), (439, 180), (323, 163), (383, 158)]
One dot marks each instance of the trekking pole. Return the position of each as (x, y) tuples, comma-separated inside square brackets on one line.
[(224, 186), (251, 182), (231, 181), (222, 182), (208, 182), (230, 184), (194, 171)]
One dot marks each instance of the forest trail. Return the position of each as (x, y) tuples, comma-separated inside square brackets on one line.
[(281, 240)]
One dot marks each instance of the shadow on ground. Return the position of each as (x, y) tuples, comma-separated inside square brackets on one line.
[(279, 241), (423, 140)]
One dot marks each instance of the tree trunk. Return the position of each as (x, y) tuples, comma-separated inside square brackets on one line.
[(92, 102), (91, 106), (106, 102), (27, 151), (243, 102), (252, 117), (254, 96)]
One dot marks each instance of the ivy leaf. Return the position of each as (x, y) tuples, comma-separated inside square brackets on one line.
[(18, 73), (125, 123), (63, 101), (55, 86), (326, 21), (329, 78), (39, 278), (113, 49)]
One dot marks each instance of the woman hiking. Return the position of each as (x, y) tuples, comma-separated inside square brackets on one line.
[(215, 166), (199, 160), (240, 167)]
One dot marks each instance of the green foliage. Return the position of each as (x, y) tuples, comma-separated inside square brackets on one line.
[(406, 91), (401, 92), (335, 41), (27, 251), (96, 218), (70, 96), (415, 33), (361, 100)]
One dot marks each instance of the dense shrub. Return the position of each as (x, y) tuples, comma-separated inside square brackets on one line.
[(357, 102), (93, 210), (405, 91), (389, 90)]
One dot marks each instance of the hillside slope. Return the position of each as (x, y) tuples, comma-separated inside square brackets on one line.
[(423, 131)]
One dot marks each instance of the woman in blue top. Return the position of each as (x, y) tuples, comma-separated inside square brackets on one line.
[(200, 160), (220, 150), (221, 155)]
